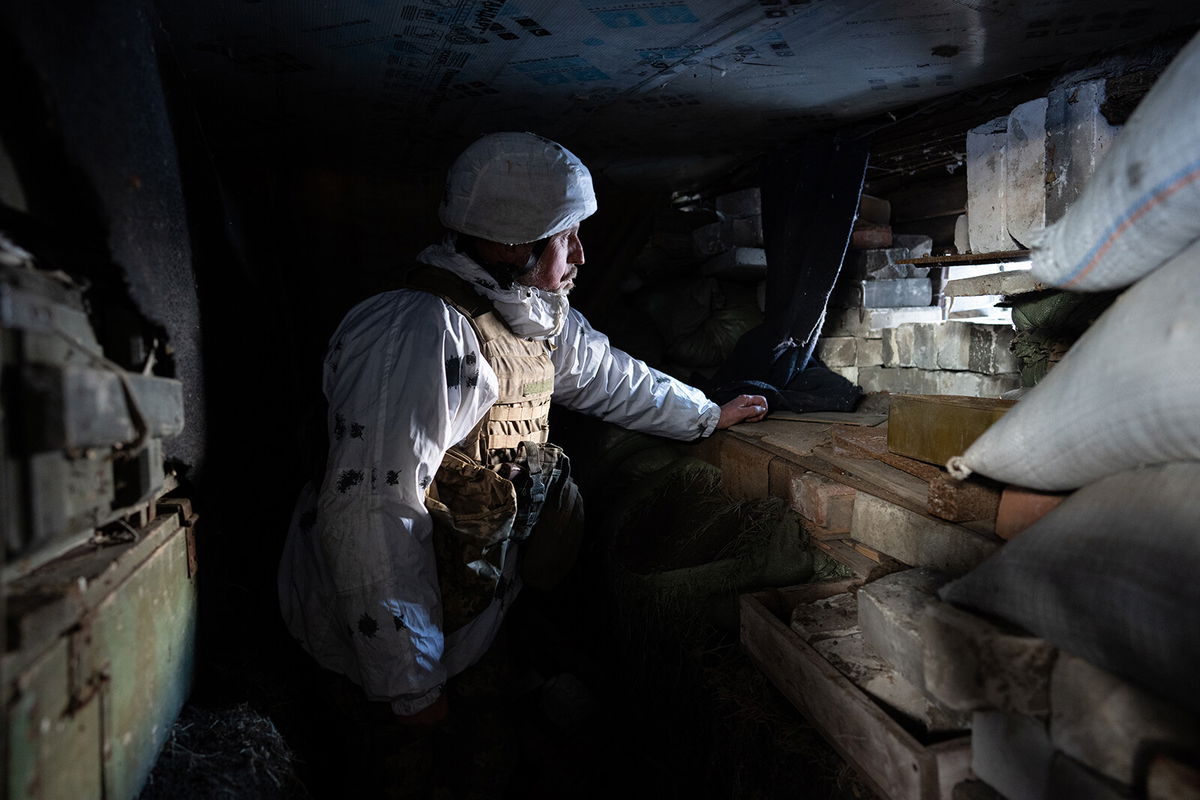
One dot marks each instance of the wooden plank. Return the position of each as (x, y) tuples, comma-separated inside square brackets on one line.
[(889, 758), (1009, 283), (969, 258), (845, 551), (874, 555), (872, 443), (933, 428), (957, 501), (53, 740), (883, 476), (832, 417), (43, 604), (824, 534), (953, 759), (962, 501), (793, 596)]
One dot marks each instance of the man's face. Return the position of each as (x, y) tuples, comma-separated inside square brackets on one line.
[(556, 269)]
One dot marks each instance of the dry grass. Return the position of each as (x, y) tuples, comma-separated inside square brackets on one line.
[(227, 754)]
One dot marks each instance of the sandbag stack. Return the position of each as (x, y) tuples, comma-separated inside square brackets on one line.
[(1109, 576)]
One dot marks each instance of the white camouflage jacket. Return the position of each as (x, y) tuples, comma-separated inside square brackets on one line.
[(404, 381)]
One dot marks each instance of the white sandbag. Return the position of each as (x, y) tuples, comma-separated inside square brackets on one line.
[(1109, 576), (1143, 204), (1126, 394)]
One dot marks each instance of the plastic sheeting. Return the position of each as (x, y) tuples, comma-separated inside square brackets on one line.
[(640, 86)]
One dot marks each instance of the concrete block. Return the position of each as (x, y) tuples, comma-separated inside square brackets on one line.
[(995, 284), (990, 350), (1020, 507), (972, 384), (826, 502), (1111, 725), (714, 238), (985, 187), (826, 618), (874, 209), (916, 539), (893, 317), (962, 235), (880, 263), (870, 262), (849, 373), (975, 346), (891, 348), (743, 203), (868, 353), (875, 379), (1078, 135), (897, 344), (897, 380), (925, 346), (897, 293), (918, 245), (1025, 171), (851, 656), (738, 263), (1012, 754), (970, 663), (954, 345), (838, 351), (869, 323), (746, 231), (1070, 779), (867, 236), (890, 611)]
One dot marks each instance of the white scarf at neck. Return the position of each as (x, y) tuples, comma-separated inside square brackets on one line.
[(528, 311)]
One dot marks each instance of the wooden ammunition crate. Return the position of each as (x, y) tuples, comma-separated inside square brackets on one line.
[(890, 758)]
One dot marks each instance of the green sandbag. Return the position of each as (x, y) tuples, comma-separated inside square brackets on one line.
[(1068, 314), (677, 308), (734, 312)]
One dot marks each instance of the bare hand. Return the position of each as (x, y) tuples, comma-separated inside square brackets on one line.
[(743, 408)]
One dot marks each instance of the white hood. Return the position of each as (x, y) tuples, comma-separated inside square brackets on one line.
[(529, 311)]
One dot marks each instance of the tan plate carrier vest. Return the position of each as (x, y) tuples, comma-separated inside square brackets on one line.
[(474, 509), (523, 370)]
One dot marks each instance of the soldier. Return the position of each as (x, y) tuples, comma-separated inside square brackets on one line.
[(399, 567)]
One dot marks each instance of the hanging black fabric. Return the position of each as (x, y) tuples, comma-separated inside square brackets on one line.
[(759, 365), (810, 194)]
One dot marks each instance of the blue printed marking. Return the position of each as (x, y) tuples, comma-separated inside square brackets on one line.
[(671, 15), (621, 19), (1116, 227)]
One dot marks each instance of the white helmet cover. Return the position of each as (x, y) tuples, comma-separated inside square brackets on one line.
[(516, 188)]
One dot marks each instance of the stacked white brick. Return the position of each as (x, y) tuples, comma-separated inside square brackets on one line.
[(734, 244)]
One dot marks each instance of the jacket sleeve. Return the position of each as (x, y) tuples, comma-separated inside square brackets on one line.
[(593, 377), (404, 381)]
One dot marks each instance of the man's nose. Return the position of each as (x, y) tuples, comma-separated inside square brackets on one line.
[(575, 253)]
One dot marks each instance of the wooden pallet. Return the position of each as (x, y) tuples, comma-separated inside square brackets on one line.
[(893, 761)]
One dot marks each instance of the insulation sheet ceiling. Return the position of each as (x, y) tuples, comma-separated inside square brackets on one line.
[(642, 85)]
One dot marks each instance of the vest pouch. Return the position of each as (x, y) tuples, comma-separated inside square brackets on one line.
[(549, 514), (473, 511), (545, 469)]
